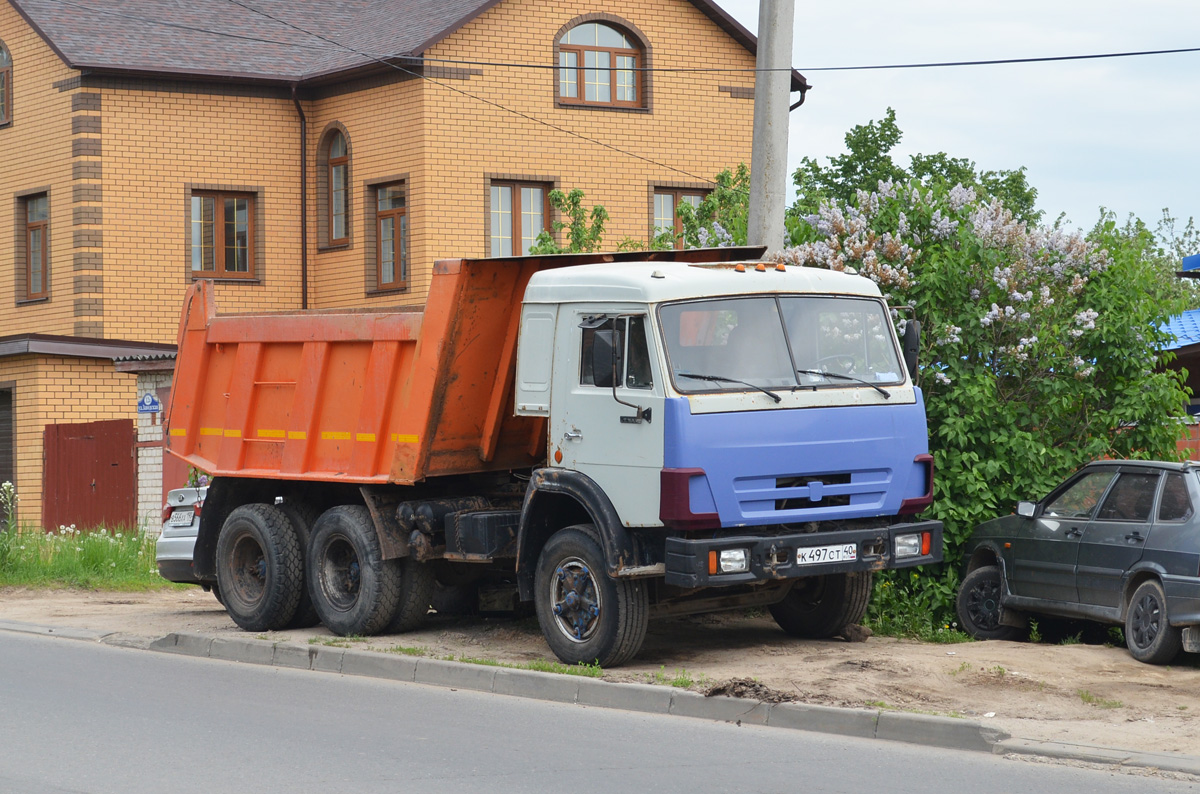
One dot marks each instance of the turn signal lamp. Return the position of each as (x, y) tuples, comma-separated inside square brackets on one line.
[(728, 561)]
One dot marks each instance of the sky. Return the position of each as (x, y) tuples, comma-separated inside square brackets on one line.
[(1123, 133)]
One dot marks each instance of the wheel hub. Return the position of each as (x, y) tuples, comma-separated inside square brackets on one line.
[(575, 595)]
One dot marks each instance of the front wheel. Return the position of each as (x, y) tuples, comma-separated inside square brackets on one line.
[(819, 607), (354, 590), (1148, 633), (586, 616), (978, 605)]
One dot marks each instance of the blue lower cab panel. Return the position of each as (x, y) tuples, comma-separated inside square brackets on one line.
[(799, 465), (778, 557)]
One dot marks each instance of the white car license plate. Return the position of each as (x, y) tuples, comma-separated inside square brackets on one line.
[(839, 552), (181, 517)]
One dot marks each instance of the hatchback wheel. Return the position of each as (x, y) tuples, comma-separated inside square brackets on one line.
[(1148, 633), (979, 605)]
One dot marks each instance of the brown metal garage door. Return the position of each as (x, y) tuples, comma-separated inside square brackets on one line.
[(90, 475)]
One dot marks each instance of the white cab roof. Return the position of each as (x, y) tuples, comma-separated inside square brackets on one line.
[(656, 282)]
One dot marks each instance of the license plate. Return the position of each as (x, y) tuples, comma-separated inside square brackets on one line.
[(181, 518), (840, 552)]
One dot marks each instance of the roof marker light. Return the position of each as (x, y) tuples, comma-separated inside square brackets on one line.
[(760, 267), (740, 268), (781, 267)]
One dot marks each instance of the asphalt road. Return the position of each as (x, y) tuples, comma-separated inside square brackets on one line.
[(80, 717)]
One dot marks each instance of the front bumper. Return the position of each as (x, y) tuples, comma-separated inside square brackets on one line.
[(773, 558)]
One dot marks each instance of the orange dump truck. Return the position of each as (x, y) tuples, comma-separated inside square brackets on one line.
[(587, 431)]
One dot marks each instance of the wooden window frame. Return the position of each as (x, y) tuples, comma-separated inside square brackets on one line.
[(677, 194), (219, 270), (579, 50), (335, 162), (518, 214), (6, 92), (30, 227), (402, 260)]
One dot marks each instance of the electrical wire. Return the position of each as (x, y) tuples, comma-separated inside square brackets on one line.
[(490, 102)]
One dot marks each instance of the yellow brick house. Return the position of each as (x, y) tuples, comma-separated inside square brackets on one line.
[(305, 155)]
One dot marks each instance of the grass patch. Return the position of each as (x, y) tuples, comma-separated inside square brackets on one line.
[(962, 668), (405, 650), (116, 558), (537, 665), (1098, 702), (681, 678)]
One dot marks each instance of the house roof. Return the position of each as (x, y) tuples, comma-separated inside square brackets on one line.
[(1186, 329), (263, 40)]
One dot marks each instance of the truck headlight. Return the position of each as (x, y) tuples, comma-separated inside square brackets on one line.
[(908, 545), (734, 561)]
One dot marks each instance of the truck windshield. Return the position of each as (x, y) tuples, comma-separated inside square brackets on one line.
[(779, 342)]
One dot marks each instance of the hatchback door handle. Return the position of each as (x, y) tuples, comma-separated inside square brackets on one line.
[(1074, 532), (1134, 536)]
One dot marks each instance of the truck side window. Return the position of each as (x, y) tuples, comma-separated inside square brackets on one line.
[(639, 374), (631, 335), (586, 376)]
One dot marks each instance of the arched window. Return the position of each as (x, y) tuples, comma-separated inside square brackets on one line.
[(339, 163), (599, 65), (5, 85)]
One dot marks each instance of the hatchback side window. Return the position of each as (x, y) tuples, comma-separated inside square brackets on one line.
[(1176, 504), (1130, 498), (1079, 501)]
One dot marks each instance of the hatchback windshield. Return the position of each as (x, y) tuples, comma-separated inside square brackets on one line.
[(788, 341)]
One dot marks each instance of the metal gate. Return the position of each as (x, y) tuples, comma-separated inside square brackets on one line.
[(90, 477)]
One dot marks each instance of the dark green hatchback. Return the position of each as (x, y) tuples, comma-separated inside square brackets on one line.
[(1118, 543)]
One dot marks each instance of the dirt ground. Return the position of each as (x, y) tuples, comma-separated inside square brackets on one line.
[(1085, 694)]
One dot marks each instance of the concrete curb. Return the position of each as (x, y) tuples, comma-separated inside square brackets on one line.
[(920, 729)]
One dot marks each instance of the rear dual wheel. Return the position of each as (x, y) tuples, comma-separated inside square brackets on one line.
[(354, 590), (260, 568)]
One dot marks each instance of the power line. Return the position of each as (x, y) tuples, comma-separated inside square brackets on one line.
[(478, 98), (1045, 59)]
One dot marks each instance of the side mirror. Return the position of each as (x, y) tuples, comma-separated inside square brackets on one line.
[(606, 359), (912, 347), (1026, 509)]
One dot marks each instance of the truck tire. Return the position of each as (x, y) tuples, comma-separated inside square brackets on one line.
[(818, 607), (354, 590), (303, 516), (259, 568), (416, 595), (1149, 634), (978, 606), (586, 616)]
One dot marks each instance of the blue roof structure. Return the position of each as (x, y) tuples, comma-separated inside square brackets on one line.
[(1185, 327), (1191, 262)]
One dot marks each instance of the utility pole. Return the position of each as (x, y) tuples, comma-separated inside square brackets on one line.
[(772, 96)]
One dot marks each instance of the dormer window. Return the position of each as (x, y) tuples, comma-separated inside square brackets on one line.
[(600, 65), (5, 85)]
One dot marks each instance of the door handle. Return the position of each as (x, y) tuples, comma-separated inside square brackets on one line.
[(573, 435), (1134, 536), (1074, 532)]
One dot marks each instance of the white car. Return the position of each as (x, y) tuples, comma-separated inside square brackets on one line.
[(181, 521)]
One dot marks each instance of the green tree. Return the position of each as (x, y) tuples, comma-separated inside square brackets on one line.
[(1040, 346), (868, 162), (584, 229)]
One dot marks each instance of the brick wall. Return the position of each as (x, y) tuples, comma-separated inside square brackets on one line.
[(58, 390), (150, 458)]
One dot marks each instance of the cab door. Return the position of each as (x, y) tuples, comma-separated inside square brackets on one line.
[(1047, 550), (613, 435)]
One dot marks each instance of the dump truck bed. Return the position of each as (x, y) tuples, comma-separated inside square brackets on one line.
[(368, 396)]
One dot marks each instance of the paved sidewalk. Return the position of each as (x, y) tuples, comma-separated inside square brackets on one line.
[(921, 729)]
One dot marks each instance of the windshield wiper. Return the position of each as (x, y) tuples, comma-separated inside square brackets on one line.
[(723, 379), (886, 394)]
